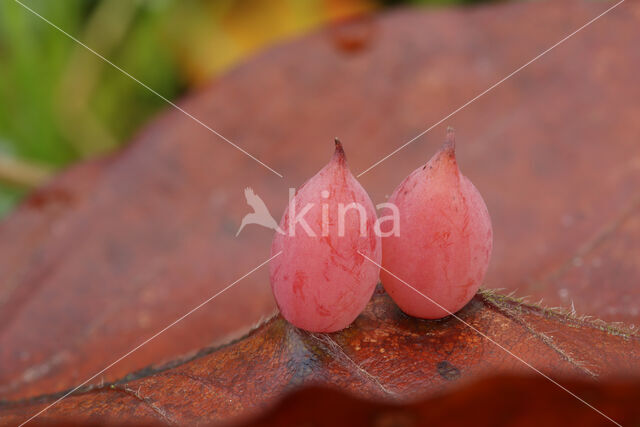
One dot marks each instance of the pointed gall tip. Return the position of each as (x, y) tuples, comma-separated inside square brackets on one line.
[(450, 142), (339, 150)]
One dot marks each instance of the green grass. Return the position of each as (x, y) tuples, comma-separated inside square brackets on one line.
[(60, 104), (36, 60)]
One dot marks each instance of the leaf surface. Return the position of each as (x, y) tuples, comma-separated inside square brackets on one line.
[(114, 250), (384, 355)]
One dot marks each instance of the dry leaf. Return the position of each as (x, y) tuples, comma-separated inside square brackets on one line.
[(384, 355), (113, 251), (508, 400)]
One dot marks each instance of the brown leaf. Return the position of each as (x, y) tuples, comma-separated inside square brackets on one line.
[(384, 355), (113, 251), (508, 400)]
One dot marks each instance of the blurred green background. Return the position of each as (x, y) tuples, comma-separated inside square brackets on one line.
[(60, 104)]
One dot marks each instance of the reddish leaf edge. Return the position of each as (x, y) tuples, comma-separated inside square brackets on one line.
[(502, 399), (147, 371), (525, 397), (507, 305), (501, 301)]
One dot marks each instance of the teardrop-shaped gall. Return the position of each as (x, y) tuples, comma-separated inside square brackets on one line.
[(444, 240), (320, 281)]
